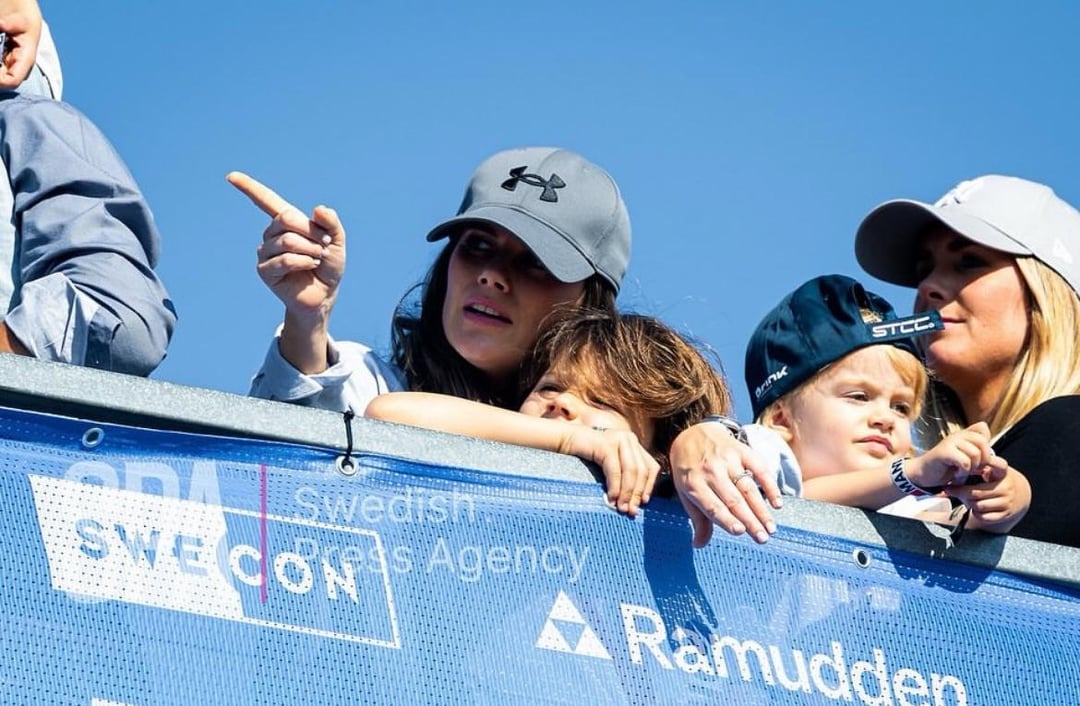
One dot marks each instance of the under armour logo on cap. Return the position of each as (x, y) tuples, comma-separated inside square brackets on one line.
[(572, 217), (548, 185)]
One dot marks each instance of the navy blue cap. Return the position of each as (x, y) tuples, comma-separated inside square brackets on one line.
[(817, 324)]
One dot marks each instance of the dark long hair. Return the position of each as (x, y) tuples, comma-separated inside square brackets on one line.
[(426, 358)]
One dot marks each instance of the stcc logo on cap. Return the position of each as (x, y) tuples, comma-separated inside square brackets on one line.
[(548, 185), (915, 325)]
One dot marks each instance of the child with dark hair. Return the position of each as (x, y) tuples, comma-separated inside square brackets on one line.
[(835, 381), (627, 384)]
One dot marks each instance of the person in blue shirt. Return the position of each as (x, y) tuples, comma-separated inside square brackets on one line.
[(79, 244), (77, 283)]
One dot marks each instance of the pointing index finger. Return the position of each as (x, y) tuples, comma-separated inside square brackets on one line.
[(260, 194)]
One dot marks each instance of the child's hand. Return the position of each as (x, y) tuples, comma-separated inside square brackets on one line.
[(958, 455), (999, 502), (630, 470)]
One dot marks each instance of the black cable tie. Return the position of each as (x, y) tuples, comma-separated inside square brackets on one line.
[(961, 512), (345, 463)]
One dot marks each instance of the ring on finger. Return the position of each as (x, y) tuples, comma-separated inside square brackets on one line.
[(741, 476)]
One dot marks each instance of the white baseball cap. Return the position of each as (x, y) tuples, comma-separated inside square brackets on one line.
[(1006, 213)]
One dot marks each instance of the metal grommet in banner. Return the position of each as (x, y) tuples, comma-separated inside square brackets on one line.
[(346, 465), (92, 437), (861, 557)]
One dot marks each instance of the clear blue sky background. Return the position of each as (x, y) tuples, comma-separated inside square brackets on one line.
[(749, 139)]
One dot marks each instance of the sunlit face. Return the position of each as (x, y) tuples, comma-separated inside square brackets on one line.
[(855, 415), (557, 396), (983, 304), (497, 295)]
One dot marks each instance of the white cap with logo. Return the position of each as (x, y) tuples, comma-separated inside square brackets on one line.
[(1006, 213)]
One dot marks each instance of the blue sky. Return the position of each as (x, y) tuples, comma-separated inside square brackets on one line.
[(749, 139)]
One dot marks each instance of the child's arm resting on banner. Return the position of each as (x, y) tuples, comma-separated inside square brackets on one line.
[(630, 471)]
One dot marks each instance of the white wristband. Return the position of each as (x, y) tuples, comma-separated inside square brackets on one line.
[(901, 481)]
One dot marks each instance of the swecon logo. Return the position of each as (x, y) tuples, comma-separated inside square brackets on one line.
[(108, 544)]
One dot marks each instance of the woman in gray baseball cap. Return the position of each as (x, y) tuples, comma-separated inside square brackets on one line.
[(539, 227), (999, 258)]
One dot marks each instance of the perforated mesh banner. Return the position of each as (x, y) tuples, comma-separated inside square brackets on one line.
[(144, 567)]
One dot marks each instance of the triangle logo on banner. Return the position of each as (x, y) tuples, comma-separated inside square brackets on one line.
[(565, 630)]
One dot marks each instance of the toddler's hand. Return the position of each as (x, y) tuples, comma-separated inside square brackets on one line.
[(955, 457), (630, 470), (1000, 501)]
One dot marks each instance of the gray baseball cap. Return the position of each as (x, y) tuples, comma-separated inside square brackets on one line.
[(567, 210), (1009, 214)]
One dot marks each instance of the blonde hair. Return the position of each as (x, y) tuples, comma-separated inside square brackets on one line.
[(637, 363), (1048, 365), (907, 366)]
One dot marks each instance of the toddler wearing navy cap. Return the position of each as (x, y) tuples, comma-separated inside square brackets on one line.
[(836, 383)]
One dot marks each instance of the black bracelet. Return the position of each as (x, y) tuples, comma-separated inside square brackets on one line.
[(730, 424)]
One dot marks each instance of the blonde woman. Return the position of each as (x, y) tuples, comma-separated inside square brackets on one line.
[(999, 258)]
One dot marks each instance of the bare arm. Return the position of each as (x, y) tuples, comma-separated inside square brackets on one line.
[(10, 344), (951, 460), (459, 416), (629, 469), (998, 503), (871, 488)]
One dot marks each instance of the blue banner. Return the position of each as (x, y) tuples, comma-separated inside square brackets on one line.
[(145, 567)]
